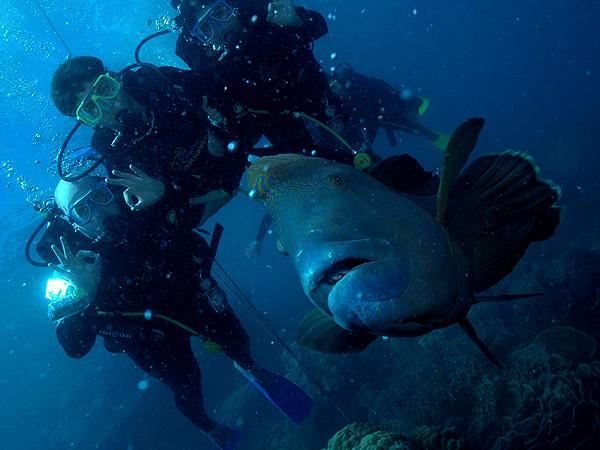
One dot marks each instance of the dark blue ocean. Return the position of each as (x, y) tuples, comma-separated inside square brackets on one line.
[(531, 68)]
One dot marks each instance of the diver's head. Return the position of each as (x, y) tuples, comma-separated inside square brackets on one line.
[(213, 23), (73, 78), (342, 77), (83, 88), (89, 205)]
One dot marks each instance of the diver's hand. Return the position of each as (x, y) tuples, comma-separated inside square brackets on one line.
[(253, 250), (141, 191), (82, 270), (283, 13), (214, 116)]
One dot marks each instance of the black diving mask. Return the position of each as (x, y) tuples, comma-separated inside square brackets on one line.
[(214, 21), (81, 212)]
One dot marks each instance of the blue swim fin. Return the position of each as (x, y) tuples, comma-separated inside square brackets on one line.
[(289, 398), (224, 437)]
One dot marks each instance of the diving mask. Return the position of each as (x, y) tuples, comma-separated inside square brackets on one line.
[(213, 22), (99, 99), (81, 212)]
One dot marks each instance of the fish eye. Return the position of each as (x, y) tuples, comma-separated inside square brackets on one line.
[(335, 180)]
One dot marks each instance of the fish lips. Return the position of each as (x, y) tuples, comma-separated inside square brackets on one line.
[(368, 296), (323, 264)]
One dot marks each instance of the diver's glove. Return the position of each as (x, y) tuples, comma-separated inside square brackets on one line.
[(253, 249), (141, 191), (283, 13), (82, 270)]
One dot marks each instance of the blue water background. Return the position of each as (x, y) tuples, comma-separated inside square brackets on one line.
[(530, 67)]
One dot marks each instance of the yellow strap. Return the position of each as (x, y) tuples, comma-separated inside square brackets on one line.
[(313, 120), (257, 111), (327, 128), (158, 316)]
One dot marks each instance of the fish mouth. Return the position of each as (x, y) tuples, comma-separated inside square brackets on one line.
[(325, 265), (340, 269), (356, 282)]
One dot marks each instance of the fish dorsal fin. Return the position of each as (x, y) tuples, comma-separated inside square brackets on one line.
[(470, 330), (462, 142)]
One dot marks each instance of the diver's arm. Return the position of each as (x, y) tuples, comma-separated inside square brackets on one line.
[(308, 25), (439, 140), (178, 206), (191, 198), (77, 334), (141, 190), (255, 246), (421, 130), (313, 25), (391, 136), (265, 224)]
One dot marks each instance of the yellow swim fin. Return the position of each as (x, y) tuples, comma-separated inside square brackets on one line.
[(424, 106), (441, 142), (211, 347)]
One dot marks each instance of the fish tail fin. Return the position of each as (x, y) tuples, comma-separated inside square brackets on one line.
[(498, 206), (319, 332)]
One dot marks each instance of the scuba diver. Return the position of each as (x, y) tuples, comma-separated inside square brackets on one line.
[(371, 104), (146, 292), (154, 122), (258, 57)]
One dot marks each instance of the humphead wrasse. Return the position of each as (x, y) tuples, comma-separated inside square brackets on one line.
[(383, 263)]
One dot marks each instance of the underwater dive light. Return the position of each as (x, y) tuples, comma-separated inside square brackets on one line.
[(64, 298)]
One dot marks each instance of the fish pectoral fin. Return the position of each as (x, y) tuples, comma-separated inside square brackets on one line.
[(503, 298), (461, 144), (319, 332), (281, 248), (470, 330)]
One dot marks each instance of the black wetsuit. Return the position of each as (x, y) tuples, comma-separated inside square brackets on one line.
[(156, 267), (171, 145), (147, 282), (268, 73), (370, 103)]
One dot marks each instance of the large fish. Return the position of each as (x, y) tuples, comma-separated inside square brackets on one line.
[(383, 263)]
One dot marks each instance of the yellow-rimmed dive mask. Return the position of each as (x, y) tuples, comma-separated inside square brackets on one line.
[(98, 100)]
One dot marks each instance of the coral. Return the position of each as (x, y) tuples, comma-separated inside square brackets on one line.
[(567, 342), (358, 436), (350, 436), (545, 400), (436, 438), (383, 440)]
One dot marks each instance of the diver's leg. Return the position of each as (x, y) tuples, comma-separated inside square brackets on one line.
[(218, 322), (173, 363), (222, 326)]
